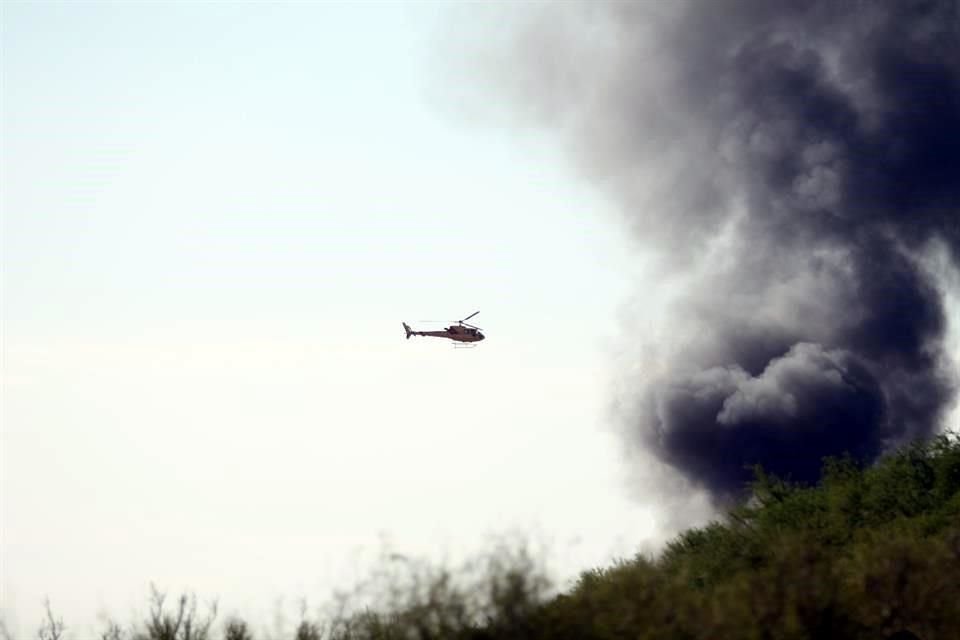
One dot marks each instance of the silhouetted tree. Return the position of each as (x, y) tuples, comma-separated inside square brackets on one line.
[(52, 628), (237, 629), (183, 623)]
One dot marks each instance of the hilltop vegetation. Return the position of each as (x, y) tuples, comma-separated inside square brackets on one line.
[(866, 553)]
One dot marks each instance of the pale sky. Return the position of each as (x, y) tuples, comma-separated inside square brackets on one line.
[(215, 217)]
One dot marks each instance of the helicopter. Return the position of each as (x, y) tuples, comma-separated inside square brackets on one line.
[(459, 332)]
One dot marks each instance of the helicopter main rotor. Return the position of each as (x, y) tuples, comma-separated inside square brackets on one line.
[(464, 321)]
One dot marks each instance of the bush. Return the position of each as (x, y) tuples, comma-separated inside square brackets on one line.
[(867, 553)]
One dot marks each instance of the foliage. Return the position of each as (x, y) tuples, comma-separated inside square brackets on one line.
[(237, 629), (52, 628), (864, 554), (867, 553)]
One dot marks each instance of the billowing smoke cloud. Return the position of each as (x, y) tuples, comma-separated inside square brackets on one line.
[(793, 162)]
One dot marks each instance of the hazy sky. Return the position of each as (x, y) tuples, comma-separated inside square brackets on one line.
[(215, 218)]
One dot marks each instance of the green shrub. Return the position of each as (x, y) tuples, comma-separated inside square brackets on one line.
[(865, 554)]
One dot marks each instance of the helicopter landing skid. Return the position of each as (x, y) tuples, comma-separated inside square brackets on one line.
[(463, 345)]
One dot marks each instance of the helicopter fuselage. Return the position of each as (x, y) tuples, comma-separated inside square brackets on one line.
[(453, 332), (460, 334)]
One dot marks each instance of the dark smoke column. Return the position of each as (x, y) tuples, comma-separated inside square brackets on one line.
[(796, 162)]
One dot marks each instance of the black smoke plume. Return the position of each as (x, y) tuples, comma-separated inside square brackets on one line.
[(795, 163)]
